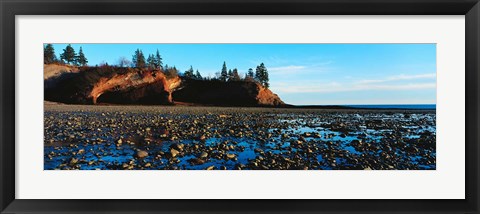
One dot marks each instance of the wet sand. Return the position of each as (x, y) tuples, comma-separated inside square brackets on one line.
[(189, 137)]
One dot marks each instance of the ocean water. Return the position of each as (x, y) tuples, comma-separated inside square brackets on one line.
[(389, 106)]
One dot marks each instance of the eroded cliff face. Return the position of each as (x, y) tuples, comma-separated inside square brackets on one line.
[(267, 97), (96, 85), (149, 87), (114, 85)]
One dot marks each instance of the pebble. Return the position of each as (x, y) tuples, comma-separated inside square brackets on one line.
[(196, 161), (73, 161), (174, 152), (141, 154), (203, 155)]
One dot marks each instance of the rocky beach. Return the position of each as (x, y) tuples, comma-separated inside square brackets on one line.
[(132, 137)]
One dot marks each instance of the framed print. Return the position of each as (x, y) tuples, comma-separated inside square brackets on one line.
[(249, 107)]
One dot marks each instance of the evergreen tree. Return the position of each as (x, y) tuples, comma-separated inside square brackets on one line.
[(250, 73), (249, 76), (230, 75), (138, 59), (158, 60), (135, 57), (235, 76), (68, 54), (261, 75), (189, 73), (198, 75), (81, 59), (151, 62), (49, 54), (224, 74)]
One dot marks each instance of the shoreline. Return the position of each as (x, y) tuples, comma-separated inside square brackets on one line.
[(53, 105)]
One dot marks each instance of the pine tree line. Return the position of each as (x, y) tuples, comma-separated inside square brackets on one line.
[(193, 75), (260, 75), (154, 61), (68, 56)]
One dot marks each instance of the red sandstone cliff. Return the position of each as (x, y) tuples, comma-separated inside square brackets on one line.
[(114, 85), (132, 87)]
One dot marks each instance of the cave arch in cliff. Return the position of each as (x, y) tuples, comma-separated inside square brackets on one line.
[(111, 97), (150, 95)]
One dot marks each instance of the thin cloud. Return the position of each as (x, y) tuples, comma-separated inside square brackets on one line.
[(290, 67), (287, 69), (336, 87), (295, 69), (400, 77)]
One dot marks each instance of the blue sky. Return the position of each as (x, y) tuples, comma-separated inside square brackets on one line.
[(305, 74)]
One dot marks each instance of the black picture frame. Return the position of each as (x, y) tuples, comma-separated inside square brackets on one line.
[(10, 8)]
